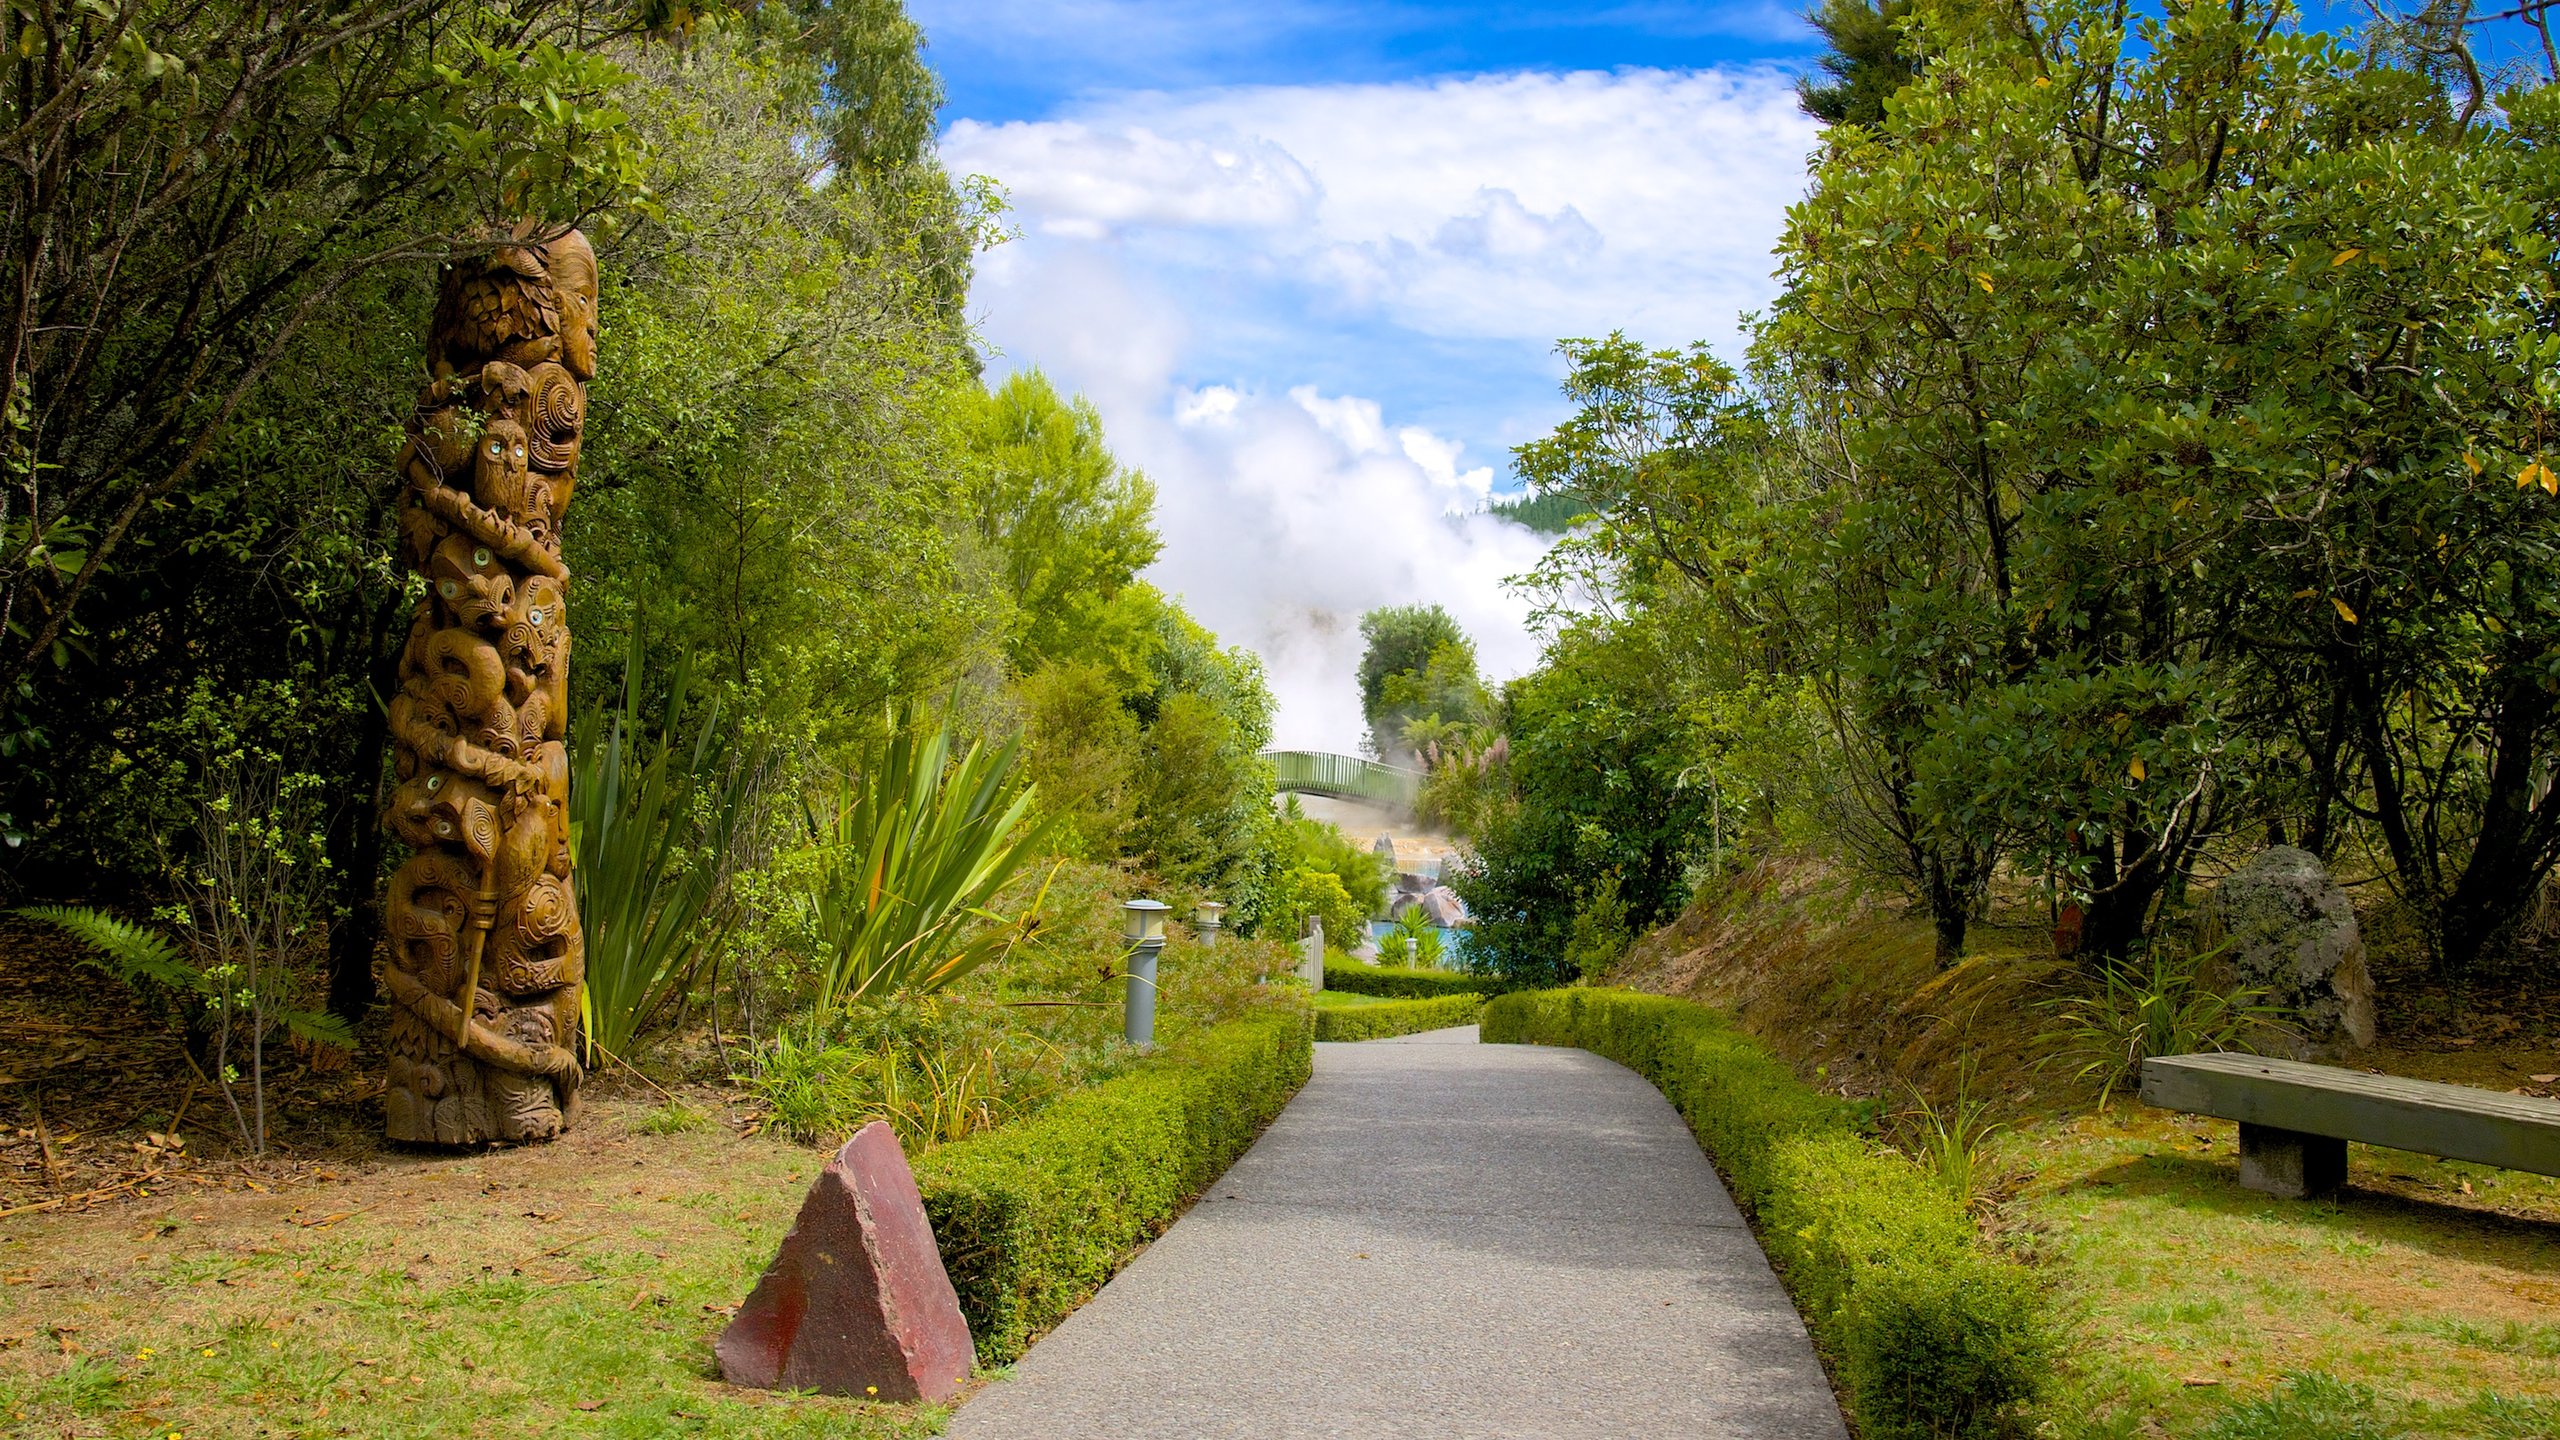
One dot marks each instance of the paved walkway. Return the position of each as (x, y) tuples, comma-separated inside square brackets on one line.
[(1446, 1239)]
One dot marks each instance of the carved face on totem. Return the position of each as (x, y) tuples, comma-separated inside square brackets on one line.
[(470, 583), (538, 626), (572, 267), (436, 808), (502, 468)]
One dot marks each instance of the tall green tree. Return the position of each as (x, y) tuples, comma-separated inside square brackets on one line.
[(776, 471), (1071, 526), (1418, 668), (1867, 63)]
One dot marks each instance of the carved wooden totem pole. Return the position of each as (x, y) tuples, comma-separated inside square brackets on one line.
[(486, 954)]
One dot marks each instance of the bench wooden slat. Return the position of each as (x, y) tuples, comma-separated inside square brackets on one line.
[(2459, 1122)]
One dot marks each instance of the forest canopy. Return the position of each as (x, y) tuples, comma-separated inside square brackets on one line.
[(2149, 457)]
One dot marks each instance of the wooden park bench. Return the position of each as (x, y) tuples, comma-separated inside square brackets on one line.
[(2296, 1119)]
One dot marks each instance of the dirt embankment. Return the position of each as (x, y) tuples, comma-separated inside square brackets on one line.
[(1843, 980)]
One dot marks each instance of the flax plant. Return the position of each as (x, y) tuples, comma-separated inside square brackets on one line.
[(653, 822), (920, 843)]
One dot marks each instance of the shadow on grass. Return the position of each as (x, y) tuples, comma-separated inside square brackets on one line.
[(2457, 1232)]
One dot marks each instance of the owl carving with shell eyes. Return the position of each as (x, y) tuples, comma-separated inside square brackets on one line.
[(487, 955)]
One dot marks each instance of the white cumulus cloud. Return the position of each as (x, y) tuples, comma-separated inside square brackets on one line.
[(1317, 315)]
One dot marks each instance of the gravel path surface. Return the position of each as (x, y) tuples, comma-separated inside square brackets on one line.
[(1439, 1238)]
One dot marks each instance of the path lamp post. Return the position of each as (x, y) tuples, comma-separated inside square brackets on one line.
[(1142, 925), (1209, 919)]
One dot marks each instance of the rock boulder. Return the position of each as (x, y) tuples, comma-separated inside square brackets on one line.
[(2287, 929), (857, 1303)]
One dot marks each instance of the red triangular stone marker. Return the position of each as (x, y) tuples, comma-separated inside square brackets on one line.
[(857, 1303)]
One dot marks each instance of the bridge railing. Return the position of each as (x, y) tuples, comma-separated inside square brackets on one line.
[(1345, 777)]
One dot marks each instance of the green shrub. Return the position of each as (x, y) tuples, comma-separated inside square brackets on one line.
[(1396, 1017), (1933, 1334), (1033, 1217), (1404, 983), (1301, 895)]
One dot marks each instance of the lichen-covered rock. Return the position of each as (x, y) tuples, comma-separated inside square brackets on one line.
[(2286, 928)]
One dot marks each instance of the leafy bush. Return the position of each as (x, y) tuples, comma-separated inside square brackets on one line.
[(1400, 983), (1301, 895), (1934, 1335), (1395, 948), (1396, 1017), (239, 1004), (1412, 940), (1033, 1217), (1421, 937), (936, 1072)]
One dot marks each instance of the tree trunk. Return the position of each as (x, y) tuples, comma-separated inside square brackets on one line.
[(1951, 896), (2513, 849)]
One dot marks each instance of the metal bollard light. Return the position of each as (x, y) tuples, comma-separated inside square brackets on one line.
[(1142, 925), (1208, 920)]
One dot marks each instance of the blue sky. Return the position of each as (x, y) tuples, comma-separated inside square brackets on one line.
[(1023, 61), (1490, 386)]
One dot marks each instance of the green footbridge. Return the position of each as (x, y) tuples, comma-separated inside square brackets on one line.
[(1345, 777)]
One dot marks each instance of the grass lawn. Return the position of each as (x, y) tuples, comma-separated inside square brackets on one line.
[(2428, 1291), (1343, 999), (565, 1289), (344, 1287)]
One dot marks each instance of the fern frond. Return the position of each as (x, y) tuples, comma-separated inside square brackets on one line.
[(123, 949), (319, 1027)]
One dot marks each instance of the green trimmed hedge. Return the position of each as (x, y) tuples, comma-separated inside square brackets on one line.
[(1033, 1217), (1395, 1017), (1933, 1334), (1404, 982)]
